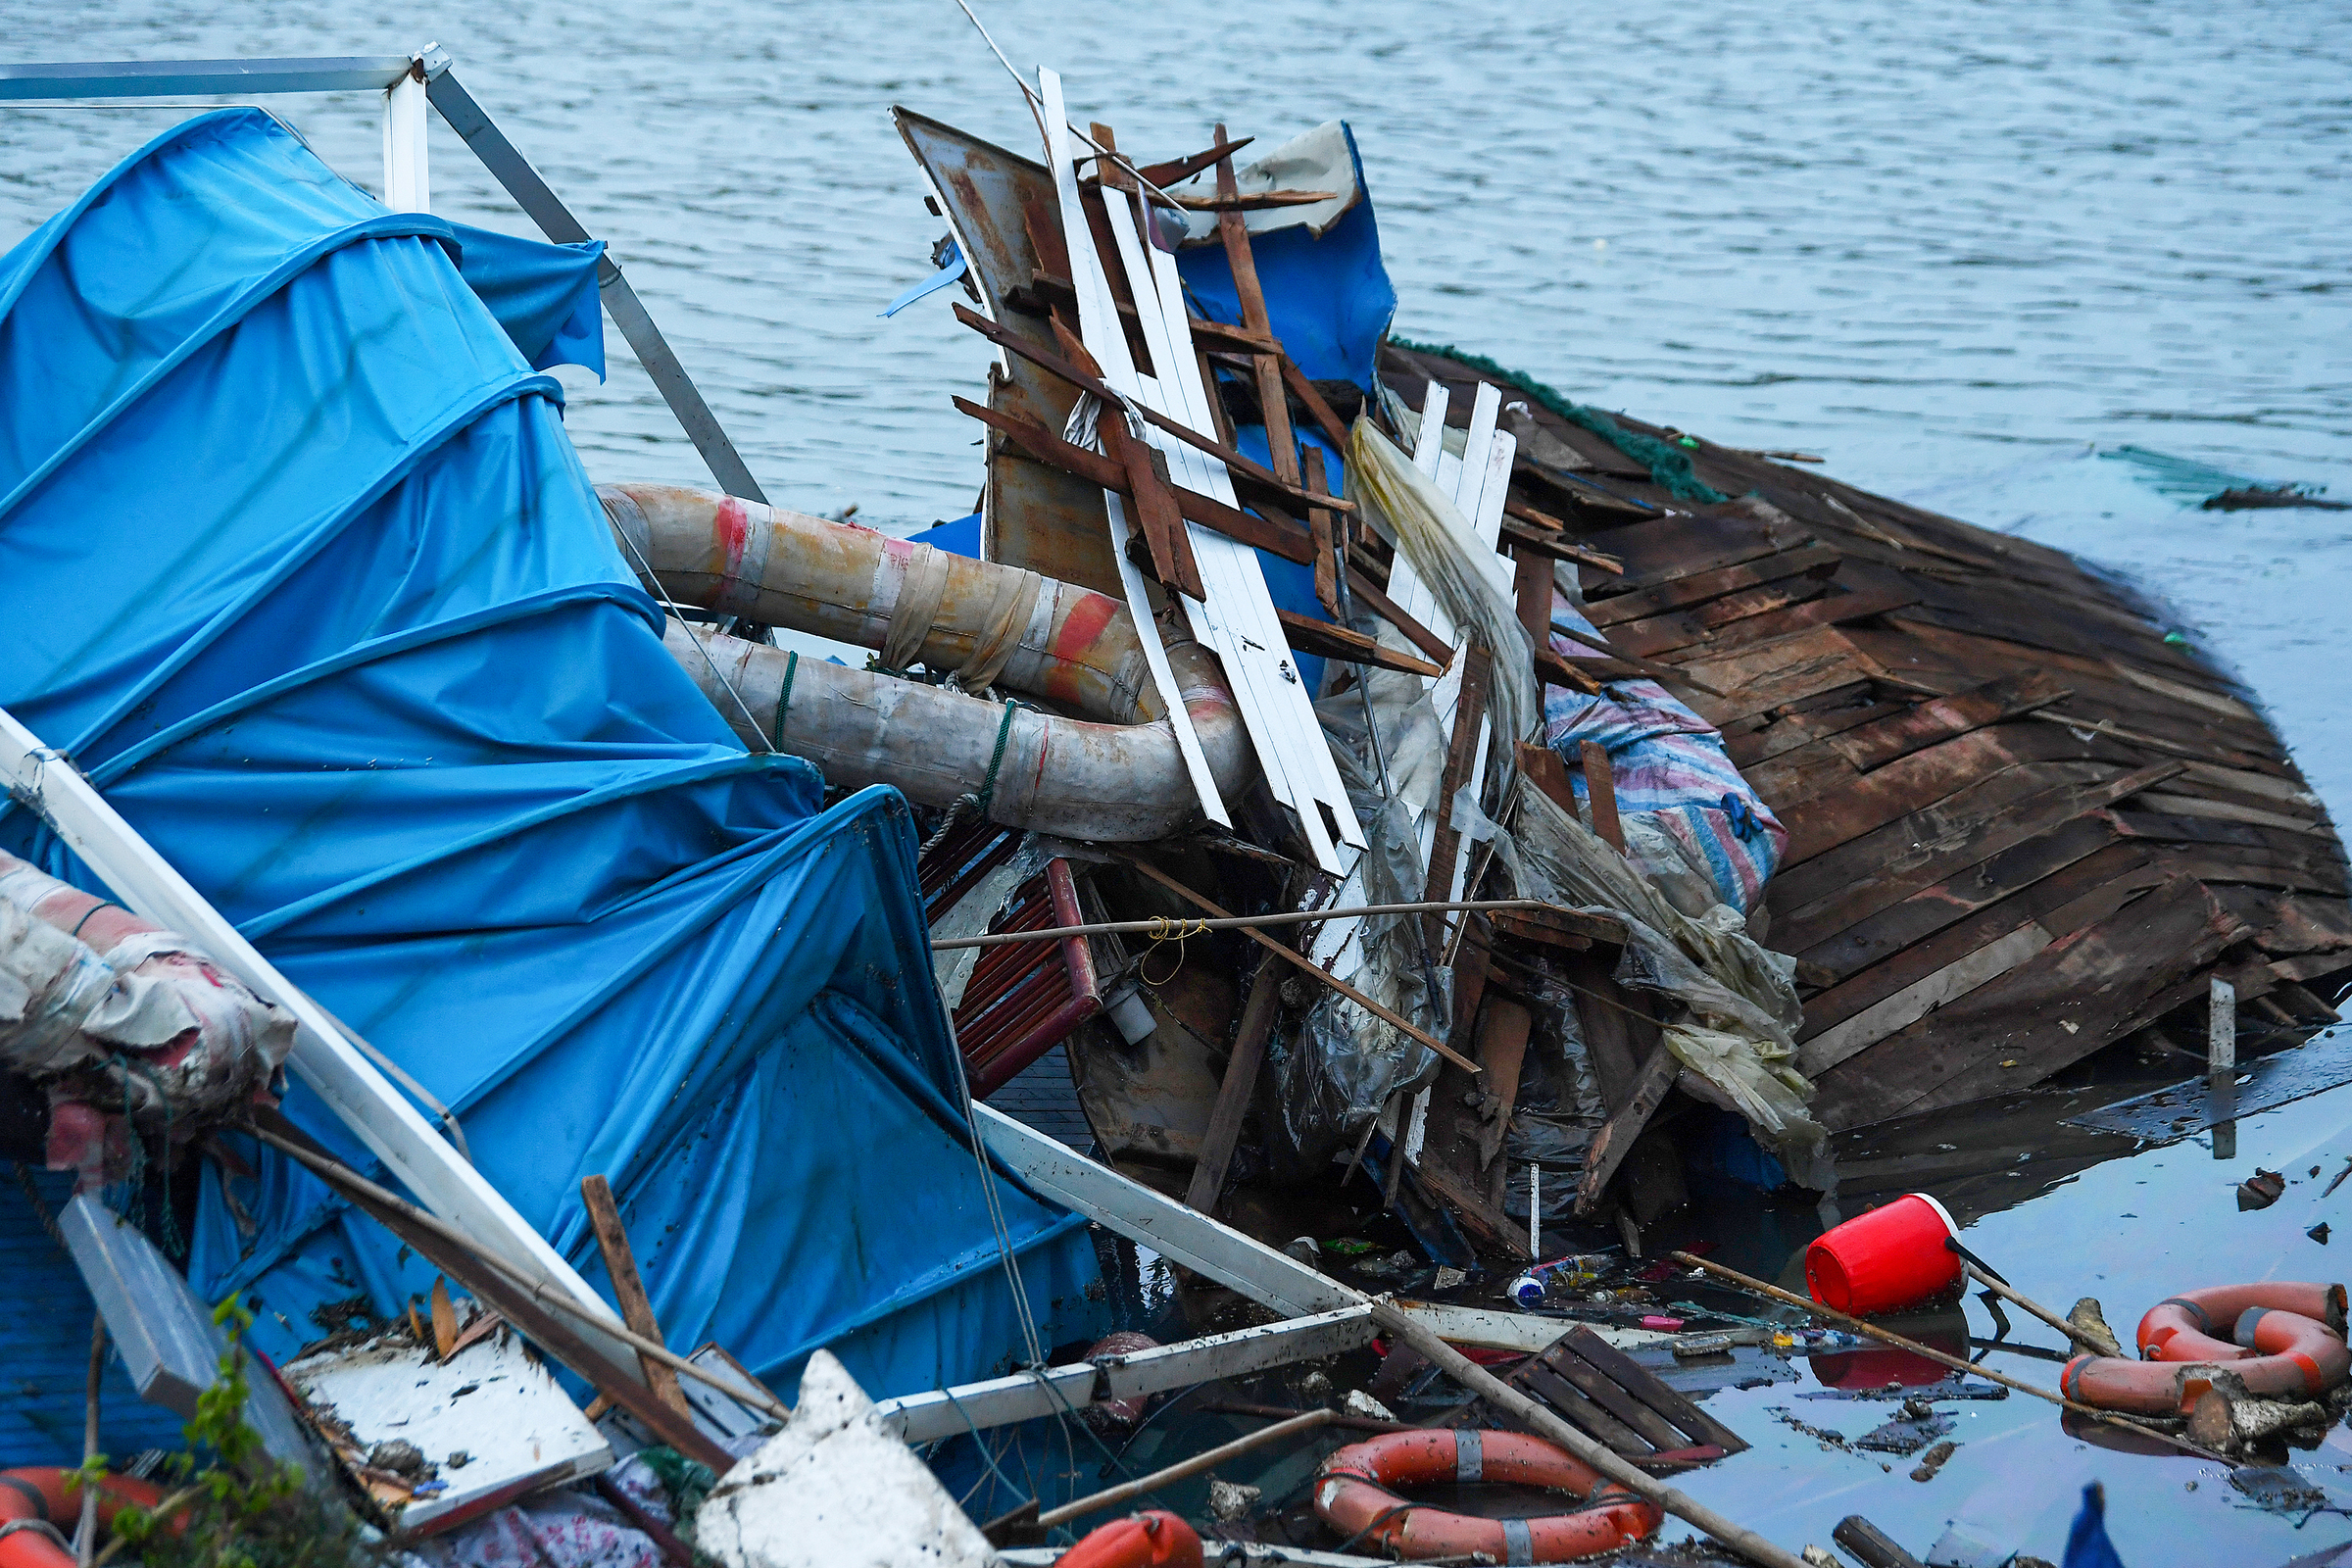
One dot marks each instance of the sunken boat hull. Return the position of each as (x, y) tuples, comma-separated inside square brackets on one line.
[(2024, 825)]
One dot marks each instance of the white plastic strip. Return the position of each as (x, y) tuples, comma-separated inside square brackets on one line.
[(1095, 308)]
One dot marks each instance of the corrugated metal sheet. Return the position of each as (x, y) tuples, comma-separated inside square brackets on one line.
[(45, 1347)]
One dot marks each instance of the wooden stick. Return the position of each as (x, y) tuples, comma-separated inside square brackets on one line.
[(1235, 1090), (1325, 418), (531, 1292), (1275, 534), (1318, 524), (1058, 366), (1599, 561), (1307, 965), (629, 1287), (1652, 670), (1111, 1497), (1546, 1423), (1328, 639), (1161, 927), (1886, 1337), (1281, 446), (1236, 203), (2081, 1335)]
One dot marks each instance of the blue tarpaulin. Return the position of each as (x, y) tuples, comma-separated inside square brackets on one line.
[(301, 568), (1327, 299)]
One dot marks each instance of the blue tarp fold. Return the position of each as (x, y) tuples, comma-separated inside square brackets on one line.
[(303, 571)]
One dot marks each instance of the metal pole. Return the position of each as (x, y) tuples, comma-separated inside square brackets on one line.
[(541, 204)]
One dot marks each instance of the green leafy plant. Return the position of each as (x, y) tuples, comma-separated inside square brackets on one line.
[(230, 1506)]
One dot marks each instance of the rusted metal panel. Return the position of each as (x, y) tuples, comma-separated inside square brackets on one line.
[(1033, 516)]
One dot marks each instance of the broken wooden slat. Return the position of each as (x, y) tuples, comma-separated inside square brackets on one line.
[(1582, 1412), (1955, 897), (1328, 640), (1916, 782), (2081, 894), (1319, 525), (1874, 744), (1235, 1090), (1932, 848), (1155, 510), (1600, 788), (1816, 560), (1503, 1050), (1914, 1001), (1654, 1392), (1532, 588), (2014, 1030), (628, 1288), (1563, 1361), (1462, 756), (1819, 660), (1615, 1137)]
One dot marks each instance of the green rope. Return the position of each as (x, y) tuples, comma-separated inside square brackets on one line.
[(987, 785), (1669, 465), (792, 668)]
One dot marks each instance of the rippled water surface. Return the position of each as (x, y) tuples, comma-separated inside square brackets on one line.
[(1964, 251), (1952, 247)]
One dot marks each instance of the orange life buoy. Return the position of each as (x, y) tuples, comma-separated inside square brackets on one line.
[(2278, 1338), (1355, 1492), (38, 1511), (1155, 1538)]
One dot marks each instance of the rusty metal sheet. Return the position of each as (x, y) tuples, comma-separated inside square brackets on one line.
[(1034, 516)]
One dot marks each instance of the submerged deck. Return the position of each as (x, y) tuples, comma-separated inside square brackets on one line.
[(2024, 824)]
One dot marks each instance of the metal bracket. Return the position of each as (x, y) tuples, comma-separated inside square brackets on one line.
[(432, 65)]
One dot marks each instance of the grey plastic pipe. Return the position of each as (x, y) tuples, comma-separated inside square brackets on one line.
[(1113, 775)]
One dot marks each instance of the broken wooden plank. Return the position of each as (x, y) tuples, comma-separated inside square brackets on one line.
[(1762, 679), (1914, 783), (628, 1288), (1615, 1139), (1319, 523), (1328, 640), (1915, 1001), (1813, 561), (1654, 1392), (1236, 1089), (1461, 758), (1941, 719), (1980, 886), (1600, 788), (2073, 996), (1918, 849)]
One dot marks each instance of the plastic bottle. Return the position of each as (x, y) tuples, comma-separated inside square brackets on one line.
[(1561, 1273)]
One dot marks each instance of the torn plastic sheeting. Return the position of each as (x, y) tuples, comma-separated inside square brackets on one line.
[(1741, 1009), (147, 1026), (1412, 515), (1344, 1064)]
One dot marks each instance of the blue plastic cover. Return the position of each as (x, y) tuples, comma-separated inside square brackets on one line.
[(301, 568), (544, 295), (1329, 300)]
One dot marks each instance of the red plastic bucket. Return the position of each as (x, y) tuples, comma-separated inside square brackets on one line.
[(1886, 1259)]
